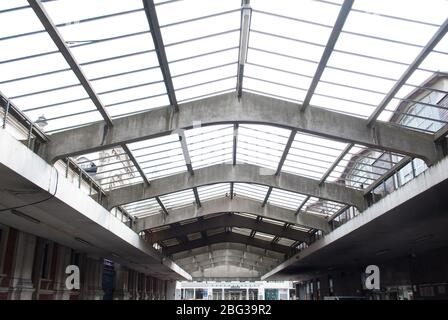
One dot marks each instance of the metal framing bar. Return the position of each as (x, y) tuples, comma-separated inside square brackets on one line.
[(235, 142), (336, 162), (240, 72), (266, 198), (136, 163), (153, 21), (45, 19), (162, 206), (184, 145), (286, 151), (302, 204), (336, 31), (196, 197), (409, 71)]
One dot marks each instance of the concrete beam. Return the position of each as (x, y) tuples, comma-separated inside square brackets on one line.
[(191, 267), (229, 220), (228, 237), (239, 254), (208, 265), (232, 248), (236, 205), (250, 108), (240, 173)]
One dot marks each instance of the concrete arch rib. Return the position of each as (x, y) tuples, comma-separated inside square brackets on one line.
[(250, 108), (235, 205), (239, 173)]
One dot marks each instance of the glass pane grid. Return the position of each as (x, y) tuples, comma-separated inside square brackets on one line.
[(261, 145), (363, 166), (286, 199), (143, 208), (210, 145), (312, 156), (111, 168), (160, 157), (322, 207), (178, 200), (214, 191), (250, 191)]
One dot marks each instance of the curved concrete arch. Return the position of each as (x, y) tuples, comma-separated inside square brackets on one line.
[(239, 173), (220, 258), (228, 220), (241, 255), (259, 269), (233, 248), (250, 108), (233, 205), (227, 237), (246, 264)]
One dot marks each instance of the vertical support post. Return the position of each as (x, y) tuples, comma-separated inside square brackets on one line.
[(6, 114), (29, 135)]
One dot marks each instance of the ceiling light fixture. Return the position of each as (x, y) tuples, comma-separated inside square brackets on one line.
[(246, 14), (25, 216)]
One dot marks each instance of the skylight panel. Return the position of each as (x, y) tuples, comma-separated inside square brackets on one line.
[(205, 88), (322, 207), (160, 157), (261, 145), (63, 11), (143, 208), (195, 62), (178, 200), (286, 199), (285, 242), (112, 168), (311, 156), (362, 166), (264, 236), (185, 10), (214, 191), (251, 191), (207, 75), (210, 145), (319, 11), (11, 18), (432, 12), (243, 231)]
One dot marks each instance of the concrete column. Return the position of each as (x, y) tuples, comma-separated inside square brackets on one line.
[(92, 286), (121, 283), (21, 284), (61, 291), (170, 290)]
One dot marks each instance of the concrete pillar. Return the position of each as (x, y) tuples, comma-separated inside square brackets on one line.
[(170, 290), (61, 291), (21, 285), (92, 287), (121, 283)]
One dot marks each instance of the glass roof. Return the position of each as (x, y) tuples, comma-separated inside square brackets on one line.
[(203, 45)]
